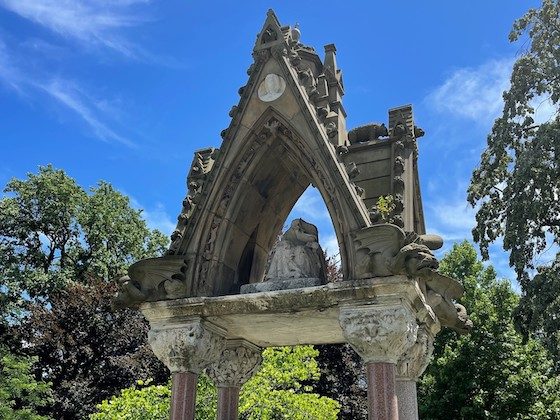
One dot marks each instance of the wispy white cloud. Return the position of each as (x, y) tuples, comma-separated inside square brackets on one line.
[(9, 72), (91, 22), (545, 110), (474, 93), (329, 243), (311, 205), (454, 220), (93, 111), (74, 98), (156, 217)]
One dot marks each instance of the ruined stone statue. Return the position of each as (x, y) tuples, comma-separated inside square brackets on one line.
[(297, 261), (297, 254)]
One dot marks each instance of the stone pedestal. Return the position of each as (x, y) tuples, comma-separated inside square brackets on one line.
[(237, 363), (380, 334), (186, 348), (409, 368)]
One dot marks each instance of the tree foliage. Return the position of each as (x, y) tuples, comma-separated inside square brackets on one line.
[(517, 184), (343, 379), (60, 249), (52, 232), (20, 393), (87, 351), (280, 390), (490, 373)]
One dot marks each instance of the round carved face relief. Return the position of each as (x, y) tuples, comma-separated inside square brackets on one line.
[(271, 88)]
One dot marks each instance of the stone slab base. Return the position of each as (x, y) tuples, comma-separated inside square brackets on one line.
[(308, 315), (279, 284)]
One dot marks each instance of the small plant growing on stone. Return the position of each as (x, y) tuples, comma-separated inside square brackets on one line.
[(383, 210)]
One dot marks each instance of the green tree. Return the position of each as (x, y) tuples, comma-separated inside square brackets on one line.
[(20, 393), (490, 373), (517, 184), (85, 349), (60, 249), (280, 390), (52, 232)]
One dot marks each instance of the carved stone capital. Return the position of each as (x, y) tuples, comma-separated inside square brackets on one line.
[(187, 347), (379, 333), (237, 363), (415, 360)]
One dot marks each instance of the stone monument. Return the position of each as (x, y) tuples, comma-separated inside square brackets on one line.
[(297, 260), (211, 302)]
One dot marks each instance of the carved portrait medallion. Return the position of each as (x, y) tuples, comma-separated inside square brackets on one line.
[(271, 88)]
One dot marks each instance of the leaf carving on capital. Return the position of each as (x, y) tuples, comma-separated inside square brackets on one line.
[(416, 359), (235, 366), (379, 335), (190, 347)]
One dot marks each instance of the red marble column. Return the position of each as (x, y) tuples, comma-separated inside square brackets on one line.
[(382, 397), (228, 401), (183, 396)]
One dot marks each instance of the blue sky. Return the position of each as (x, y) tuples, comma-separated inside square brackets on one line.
[(126, 90)]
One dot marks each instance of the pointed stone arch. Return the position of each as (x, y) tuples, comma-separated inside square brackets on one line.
[(260, 186), (287, 131)]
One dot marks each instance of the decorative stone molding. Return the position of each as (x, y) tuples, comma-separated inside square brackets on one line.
[(416, 359), (188, 347), (199, 174), (237, 363), (380, 333)]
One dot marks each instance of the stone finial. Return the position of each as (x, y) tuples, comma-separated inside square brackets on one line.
[(379, 334), (188, 347), (330, 66), (416, 359), (237, 363)]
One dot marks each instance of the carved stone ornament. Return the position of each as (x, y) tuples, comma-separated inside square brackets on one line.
[(416, 359), (153, 279), (271, 88), (385, 249), (201, 167), (379, 334), (237, 364), (188, 347)]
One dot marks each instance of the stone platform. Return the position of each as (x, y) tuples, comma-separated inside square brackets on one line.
[(292, 317)]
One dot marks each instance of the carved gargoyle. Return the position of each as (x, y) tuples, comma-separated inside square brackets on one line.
[(367, 133), (385, 250), (441, 292), (153, 279)]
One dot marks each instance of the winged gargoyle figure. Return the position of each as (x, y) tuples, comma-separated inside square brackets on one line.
[(153, 279), (385, 250)]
